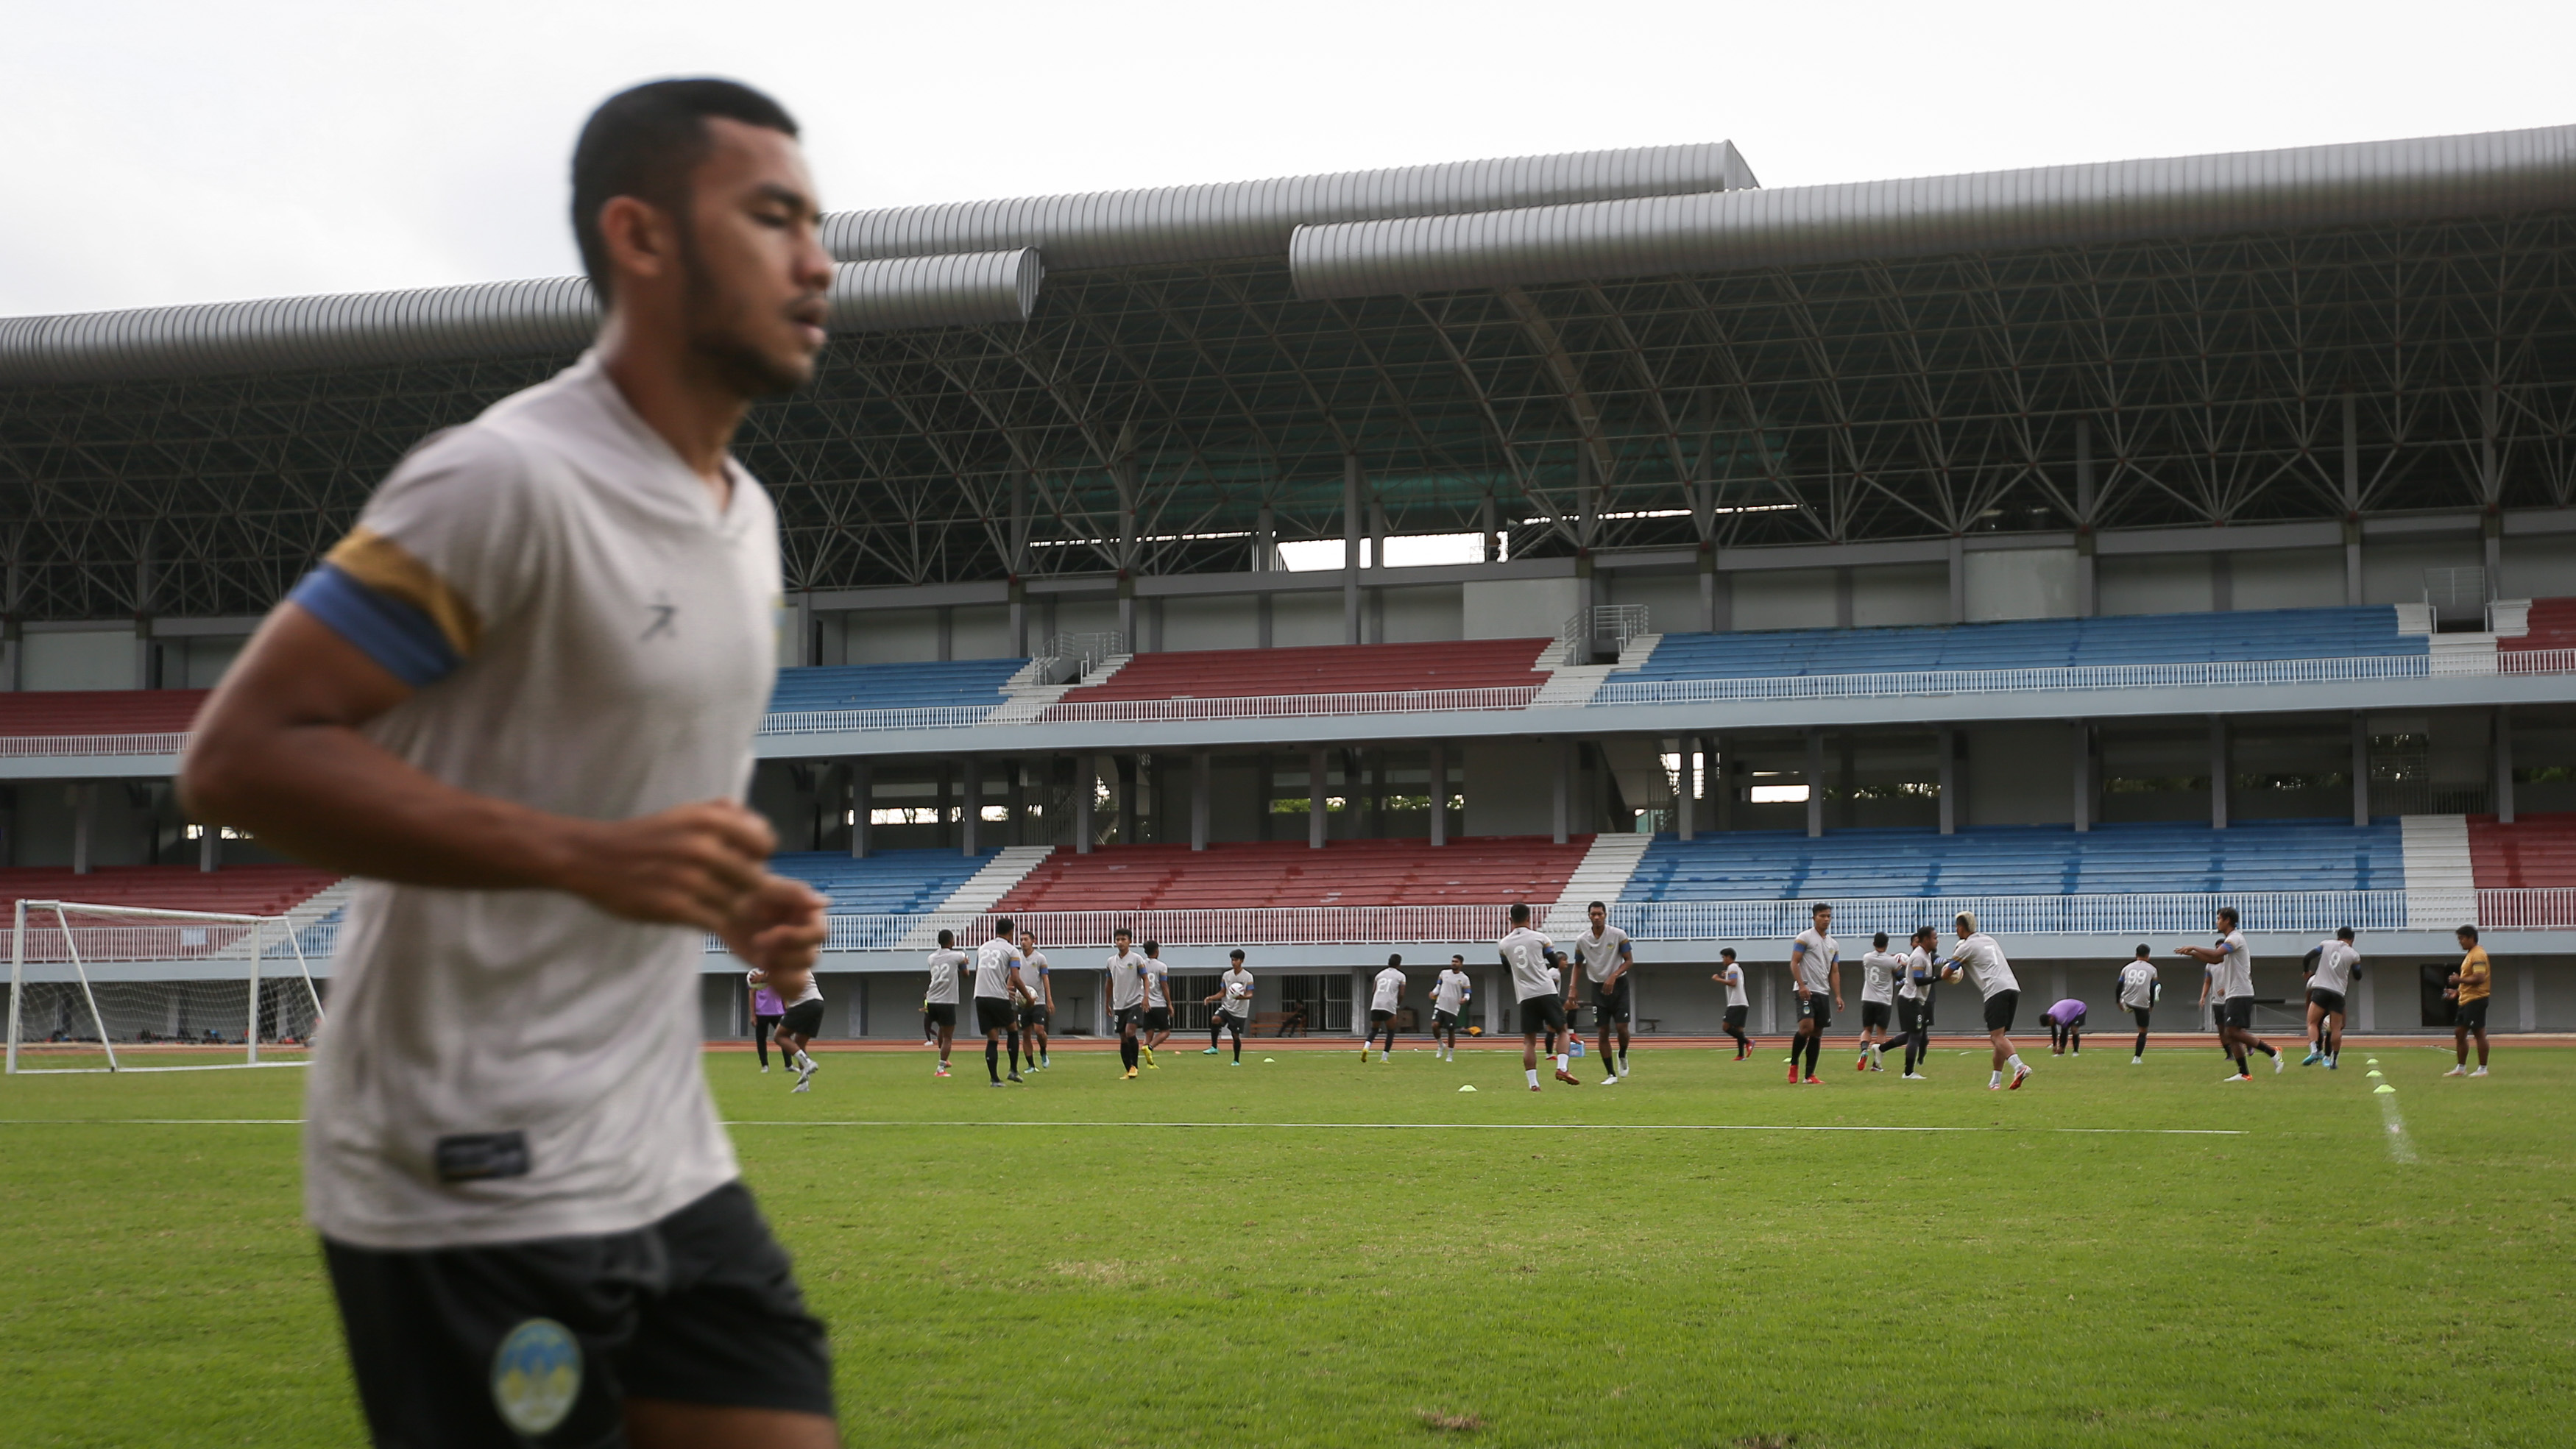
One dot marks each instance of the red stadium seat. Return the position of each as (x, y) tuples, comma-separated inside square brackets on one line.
[(246, 890), (2535, 850), (1328, 669), (98, 712), (1492, 870)]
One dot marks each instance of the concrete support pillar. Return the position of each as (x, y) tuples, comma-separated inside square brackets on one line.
[(1130, 778), (1685, 788), (2351, 501), (1708, 587), (1958, 581), (863, 797), (1350, 548), (1439, 793), (2088, 590), (1086, 783), (1563, 793), (1315, 761), (1815, 782), (1949, 782), (2083, 777), (84, 823), (1721, 780), (2360, 769), (947, 631), (947, 803), (971, 814), (1016, 801), (1199, 769), (2504, 763), (2218, 772), (210, 848)]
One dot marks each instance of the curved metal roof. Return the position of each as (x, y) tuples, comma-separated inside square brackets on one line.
[(2116, 201), (488, 319)]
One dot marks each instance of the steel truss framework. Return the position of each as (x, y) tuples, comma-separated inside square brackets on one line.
[(1159, 419)]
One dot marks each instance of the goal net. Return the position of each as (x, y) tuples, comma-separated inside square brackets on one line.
[(97, 988)]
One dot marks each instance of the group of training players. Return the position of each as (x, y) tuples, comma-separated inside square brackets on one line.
[(1014, 998)]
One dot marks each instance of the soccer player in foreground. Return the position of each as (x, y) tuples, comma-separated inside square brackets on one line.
[(1126, 996), (1039, 1014), (1982, 960), (799, 1021), (2138, 994), (518, 701), (1450, 992), (2337, 963), (1732, 978), (1606, 955), (1233, 1002), (2470, 986), (1525, 954), (1914, 1000), (1385, 1000), (939, 1003), (2234, 982), (998, 995), (1816, 969), (1878, 973)]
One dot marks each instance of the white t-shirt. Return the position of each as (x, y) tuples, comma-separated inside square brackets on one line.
[(592, 637), (1158, 983), (813, 988), (1599, 955), (1813, 963), (1734, 985), (2138, 985), (1878, 975), (1449, 990), (1985, 965), (1236, 983), (1126, 981), (1390, 989), (993, 962), (2334, 967), (2236, 973), (944, 964), (1524, 954), (1034, 976), (1909, 989)]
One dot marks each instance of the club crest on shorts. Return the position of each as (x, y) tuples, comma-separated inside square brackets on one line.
[(536, 1375)]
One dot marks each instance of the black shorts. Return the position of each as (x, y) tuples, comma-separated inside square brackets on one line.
[(1874, 1014), (1818, 1007), (1735, 1018), (1910, 1017), (2139, 1013), (1125, 1017), (993, 1013), (1158, 1018), (544, 1339), (1611, 1006), (1036, 1016), (1228, 1021), (942, 1013), (1380, 1018), (1444, 1021), (2076, 1025), (803, 1019), (2001, 1008), (2473, 1014), (764, 1023), (1542, 1013), (2239, 1013), (2330, 1001)]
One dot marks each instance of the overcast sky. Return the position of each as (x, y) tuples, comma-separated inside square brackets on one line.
[(165, 153)]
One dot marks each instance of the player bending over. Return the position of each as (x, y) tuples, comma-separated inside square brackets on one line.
[(1878, 973), (2065, 1028), (1731, 976), (2470, 986), (1233, 1002), (2333, 966), (998, 994), (766, 1009), (1039, 1013), (1914, 1000), (1541, 993), (1127, 997), (2138, 994), (1385, 1000), (801, 1019), (518, 702), (1607, 956), (1450, 993), (939, 1003), (2232, 977), (1816, 969), (1983, 961)]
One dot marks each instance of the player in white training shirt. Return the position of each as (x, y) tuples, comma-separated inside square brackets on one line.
[(1878, 973), (999, 993), (2234, 979), (1816, 969), (1450, 992), (1127, 997), (1731, 976), (1039, 1013), (517, 702), (1538, 988), (1386, 998), (2337, 963), (1606, 956), (939, 1002), (2138, 994), (1233, 1002), (1983, 963), (1914, 1000), (1158, 1001), (796, 990)]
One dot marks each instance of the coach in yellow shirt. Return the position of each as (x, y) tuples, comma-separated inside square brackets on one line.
[(2471, 985)]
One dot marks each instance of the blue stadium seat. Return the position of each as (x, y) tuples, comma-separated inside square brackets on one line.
[(890, 882), (892, 686), (2023, 860), (2341, 633)]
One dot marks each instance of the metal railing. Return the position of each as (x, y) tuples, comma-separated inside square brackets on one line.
[(1085, 651), (2535, 661), (876, 721), (21, 747), (1285, 706), (1621, 622), (2034, 679)]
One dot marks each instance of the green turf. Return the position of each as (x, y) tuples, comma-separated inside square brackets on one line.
[(1249, 1284)]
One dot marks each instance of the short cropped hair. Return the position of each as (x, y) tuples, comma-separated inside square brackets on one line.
[(643, 142), (948, 938), (1153, 947), (2228, 914), (1597, 906), (2343, 933), (1394, 960), (1234, 955), (1878, 942), (1726, 953), (1002, 927), (1819, 908), (2467, 932), (1123, 934), (2142, 950), (1520, 913)]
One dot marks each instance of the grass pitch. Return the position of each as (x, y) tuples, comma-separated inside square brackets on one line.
[(1063, 1263)]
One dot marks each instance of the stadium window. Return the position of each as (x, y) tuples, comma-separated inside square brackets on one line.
[(997, 815), (1778, 794), (1413, 550), (198, 832), (904, 815)]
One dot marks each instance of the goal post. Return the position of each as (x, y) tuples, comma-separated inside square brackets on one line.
[(101, 988)]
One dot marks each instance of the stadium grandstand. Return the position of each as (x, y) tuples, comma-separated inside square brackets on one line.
[(1319, 565)]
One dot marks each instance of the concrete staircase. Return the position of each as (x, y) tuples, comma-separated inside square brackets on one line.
[(1601, 877), (1026, 697), (2441, 883), (979, 893)]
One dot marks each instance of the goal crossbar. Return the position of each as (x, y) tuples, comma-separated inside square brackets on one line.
[(295, 981)]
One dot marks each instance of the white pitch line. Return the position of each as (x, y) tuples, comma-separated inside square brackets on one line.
[(2399, 1145), (1297, 1126)]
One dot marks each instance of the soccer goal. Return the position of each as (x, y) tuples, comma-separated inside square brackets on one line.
[(97, 988)]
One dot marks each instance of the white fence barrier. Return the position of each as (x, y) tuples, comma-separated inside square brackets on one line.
[(2018, 681)]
